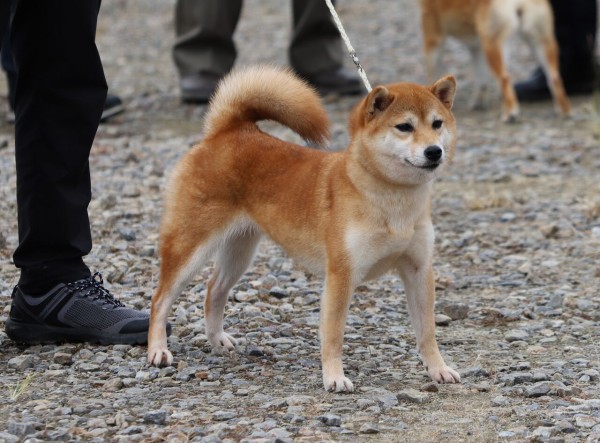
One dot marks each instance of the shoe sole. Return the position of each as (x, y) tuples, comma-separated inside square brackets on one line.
[(195, 99), (111, 112), (30, 334)]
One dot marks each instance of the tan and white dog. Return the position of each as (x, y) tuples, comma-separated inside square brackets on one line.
[(350, 215), (485, 26)]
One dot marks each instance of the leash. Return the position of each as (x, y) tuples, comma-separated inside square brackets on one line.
[(351, 50)]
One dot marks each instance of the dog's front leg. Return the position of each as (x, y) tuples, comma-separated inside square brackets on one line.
[(334, 310), (419, 284)]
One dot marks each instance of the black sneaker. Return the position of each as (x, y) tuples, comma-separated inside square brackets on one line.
[(112, 106), (83, 311)]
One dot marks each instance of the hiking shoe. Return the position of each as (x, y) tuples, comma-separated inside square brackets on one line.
[(340, 81), (198, 87), (82, 311), (112, 106)]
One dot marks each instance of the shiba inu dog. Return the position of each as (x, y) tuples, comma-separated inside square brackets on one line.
[(350, 215), (485, 25)]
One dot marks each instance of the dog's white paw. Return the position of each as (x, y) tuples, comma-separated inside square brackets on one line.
[(444, 374), (338, 384), (159, 356), (222, 340)]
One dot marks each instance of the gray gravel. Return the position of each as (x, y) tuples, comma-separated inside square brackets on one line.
[(518, 274)]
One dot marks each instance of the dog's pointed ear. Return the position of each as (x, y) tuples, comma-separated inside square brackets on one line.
[(378, 100), (445, 89)]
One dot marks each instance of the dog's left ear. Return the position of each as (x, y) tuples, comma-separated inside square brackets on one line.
[(445, 89), (378, 100)]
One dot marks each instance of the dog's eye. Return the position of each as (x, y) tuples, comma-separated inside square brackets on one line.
[(405, 127), (437, 124)]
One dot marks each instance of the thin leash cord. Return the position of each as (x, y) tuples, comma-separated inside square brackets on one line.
[(351, 50)]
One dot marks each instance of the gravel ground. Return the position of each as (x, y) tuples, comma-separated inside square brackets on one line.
[(517, 218)]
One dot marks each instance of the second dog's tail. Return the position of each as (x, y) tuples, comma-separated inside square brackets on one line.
[(267, 93)]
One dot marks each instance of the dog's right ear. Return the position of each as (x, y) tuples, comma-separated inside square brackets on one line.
[(368, 108), (377, 101)]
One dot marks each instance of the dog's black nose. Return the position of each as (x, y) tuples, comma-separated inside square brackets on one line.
[(433, 153)]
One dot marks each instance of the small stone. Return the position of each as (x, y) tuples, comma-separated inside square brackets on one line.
[(413, 396), (127, 234), (62, 358), (442, 320), (155, 417), (254, 351), (456, 311), (223, 415), (430, 387), (585, 421), (539, 389), (130, 430), (21, 362), (516, 378), (331, 420), (114, 384), (541, 433), (5, 437), (368, 428), (474, 371), (516, 335), (278, 292), (500, 400), (20, 429)]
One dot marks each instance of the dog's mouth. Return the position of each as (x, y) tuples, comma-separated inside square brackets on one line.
[(429, 166)]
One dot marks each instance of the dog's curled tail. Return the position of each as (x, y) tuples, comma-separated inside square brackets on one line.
[(267, 93)]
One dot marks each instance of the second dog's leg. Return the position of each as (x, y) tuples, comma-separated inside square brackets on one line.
[(432, 44), (480, 77), (334, 310), (492, 47), (549, 59), (233, 258)]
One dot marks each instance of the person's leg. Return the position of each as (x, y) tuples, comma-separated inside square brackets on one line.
[(60, 86), (8, 64), (60, 93), (575, 26), (316, 50), (204, 50)]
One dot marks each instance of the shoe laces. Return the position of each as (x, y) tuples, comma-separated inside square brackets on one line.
[(93, 288)]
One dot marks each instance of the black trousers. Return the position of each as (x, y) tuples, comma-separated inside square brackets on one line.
[(575, 27), (60, 93)]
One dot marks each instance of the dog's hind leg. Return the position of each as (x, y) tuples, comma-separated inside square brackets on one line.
[(433, 40), (235, 254), (492, 47), (480, 77), (547, 54), (180, 260)]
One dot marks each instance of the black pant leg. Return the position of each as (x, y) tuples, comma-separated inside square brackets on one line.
[(316, 44), (59, 97), (575, 26)]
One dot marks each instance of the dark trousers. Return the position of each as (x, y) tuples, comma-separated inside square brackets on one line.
[(59, 96), (575, 27), (205, 31)]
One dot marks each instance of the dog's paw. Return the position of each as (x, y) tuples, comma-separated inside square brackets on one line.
[(511, 117), (222, 340), (444, 374), (338, 384), (159, 356)]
